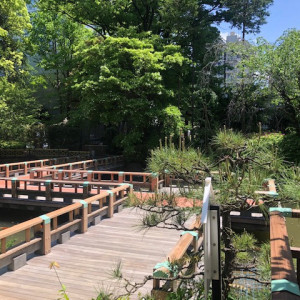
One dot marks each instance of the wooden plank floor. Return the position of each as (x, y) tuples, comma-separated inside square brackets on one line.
[(86, 261)]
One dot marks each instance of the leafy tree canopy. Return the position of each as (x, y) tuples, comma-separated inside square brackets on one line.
[(247, 15), (18, 109), (121, 81)]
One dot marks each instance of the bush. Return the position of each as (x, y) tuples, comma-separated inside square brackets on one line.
[(290, 147), (11, 144)]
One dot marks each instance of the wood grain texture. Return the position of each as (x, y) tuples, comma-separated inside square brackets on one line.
[(87, 260), (281, 257)]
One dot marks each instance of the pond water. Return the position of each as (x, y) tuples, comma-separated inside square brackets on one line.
[(293, 228)]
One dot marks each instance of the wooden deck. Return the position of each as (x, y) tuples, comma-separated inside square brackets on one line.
[(86, 261)]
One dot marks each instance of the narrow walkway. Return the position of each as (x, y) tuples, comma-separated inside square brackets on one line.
[(87, 260)]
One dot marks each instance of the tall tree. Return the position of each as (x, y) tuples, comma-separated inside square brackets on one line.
[(54, 39), (122, 82), (17, 108), (247, 15)]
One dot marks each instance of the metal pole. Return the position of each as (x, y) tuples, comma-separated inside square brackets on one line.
[(217, 283)]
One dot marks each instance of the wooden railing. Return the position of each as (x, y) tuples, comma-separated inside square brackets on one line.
[(41, 232), (170, 268), (23, 168), (150, 181), (50, 189), (11, 169), (92, 163), (285, 284), (175, 261)]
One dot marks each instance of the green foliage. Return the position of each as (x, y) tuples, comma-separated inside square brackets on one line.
[(188, 290), (246, 244), (228, 141), (63, 291), (121, 81), (18, 109), (268, 140), (247, 15), (13, 24), (172, 161), (289, 187), (290, 147), (4, 144), (264, 261), (244, 293), (54, 39), (104, 296), (173, 122), (10, 243), (274, 68)]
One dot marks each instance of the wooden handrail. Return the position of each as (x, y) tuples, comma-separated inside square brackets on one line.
[(94, 172), (55, 181), (177, 253), (282, 267), (148, 180), (45, 224), (64, 210), (20, 227)]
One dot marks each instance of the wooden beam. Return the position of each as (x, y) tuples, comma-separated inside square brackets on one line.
[(281, 256)]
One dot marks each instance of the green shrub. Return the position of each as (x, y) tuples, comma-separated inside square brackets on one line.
[(11, 144), (290, 147)]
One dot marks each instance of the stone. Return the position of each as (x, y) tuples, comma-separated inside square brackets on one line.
[(120, 208), (96, 220), (64, 237), (18, 262)]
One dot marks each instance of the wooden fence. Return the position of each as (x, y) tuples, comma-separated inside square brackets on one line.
[(50, 189), (23, 168), (41, 232), (150, 181)]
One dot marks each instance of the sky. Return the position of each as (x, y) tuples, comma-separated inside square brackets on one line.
[(284, 14)]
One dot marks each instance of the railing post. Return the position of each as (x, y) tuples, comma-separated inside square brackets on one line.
[(14, 187), (86, 188), (130, 189), (25, 168), (89, 175), (31, 174), (111, 204), (60, 175), (46, 246), (154, 182), (7, 170), (48, 186), (95, 164), (84, 217), (121, 177), (3, 245)]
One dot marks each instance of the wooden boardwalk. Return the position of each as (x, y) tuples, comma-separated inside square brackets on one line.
[(86, 261)]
